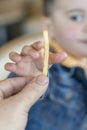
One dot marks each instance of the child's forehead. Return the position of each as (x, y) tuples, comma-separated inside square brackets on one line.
[(70, 3)]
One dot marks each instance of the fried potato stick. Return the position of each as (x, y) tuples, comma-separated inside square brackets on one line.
[(46, 52)]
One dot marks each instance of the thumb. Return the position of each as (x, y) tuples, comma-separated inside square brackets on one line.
[(33, 91)]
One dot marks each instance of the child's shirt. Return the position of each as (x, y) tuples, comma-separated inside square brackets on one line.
[(64, 104)]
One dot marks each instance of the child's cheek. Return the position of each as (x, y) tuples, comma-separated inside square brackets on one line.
[(72, 33)]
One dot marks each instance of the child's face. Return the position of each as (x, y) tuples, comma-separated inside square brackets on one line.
[(69, 25)]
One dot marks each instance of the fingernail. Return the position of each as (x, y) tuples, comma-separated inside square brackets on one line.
[(42, 80)]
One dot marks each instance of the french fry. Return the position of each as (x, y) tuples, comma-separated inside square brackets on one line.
[(46, 52)]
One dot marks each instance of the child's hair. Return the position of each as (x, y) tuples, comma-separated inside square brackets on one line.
[(47, 7)]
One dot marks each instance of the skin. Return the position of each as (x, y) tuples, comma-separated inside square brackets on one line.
[(68, 26), (69, 30), (17, 95), (32, 58), (28, 88)]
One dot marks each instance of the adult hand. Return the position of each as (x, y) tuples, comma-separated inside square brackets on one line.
[(17, 95)]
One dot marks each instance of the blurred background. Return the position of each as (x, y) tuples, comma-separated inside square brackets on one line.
[(18, 18)]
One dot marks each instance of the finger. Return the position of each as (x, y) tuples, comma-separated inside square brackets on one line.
[(12, 86), (33, 53), (55, 58), (29, 51), (10, 67), (15, 56), (38, 45), (33, 91)]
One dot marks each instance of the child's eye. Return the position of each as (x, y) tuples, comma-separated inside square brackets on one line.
[(76, 18)]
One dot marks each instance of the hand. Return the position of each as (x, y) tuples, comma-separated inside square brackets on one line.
[(17, 95), (31, 58)]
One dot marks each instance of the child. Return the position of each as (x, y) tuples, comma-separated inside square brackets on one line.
[(64, 106)]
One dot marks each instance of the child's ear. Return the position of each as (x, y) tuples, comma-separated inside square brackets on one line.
[(47, 24)]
